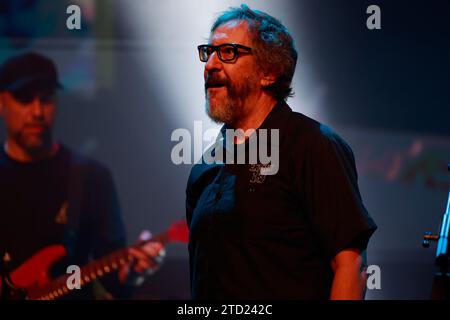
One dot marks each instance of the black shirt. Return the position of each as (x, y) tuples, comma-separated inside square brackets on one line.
[(34, 200), (256, 236)]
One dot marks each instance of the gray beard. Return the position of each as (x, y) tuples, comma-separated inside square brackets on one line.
[(226, 112), (231, 109)]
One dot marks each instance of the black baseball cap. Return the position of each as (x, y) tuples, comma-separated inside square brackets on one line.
[(29, 75)]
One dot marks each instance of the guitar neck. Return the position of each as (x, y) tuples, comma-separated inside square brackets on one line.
[(91, 271)]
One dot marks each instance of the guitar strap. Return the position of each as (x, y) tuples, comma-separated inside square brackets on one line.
[(78, 170), (77, 174)]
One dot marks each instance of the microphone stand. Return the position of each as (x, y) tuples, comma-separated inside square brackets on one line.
[(441, 282)]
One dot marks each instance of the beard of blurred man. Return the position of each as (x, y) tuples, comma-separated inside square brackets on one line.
[(34, 137)]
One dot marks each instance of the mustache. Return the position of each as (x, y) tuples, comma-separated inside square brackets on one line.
[(36, 124), (214, 81)]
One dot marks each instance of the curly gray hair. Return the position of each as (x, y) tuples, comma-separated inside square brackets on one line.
[(275, 49)]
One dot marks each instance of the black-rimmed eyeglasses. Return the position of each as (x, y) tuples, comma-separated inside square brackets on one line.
[(226, 52)]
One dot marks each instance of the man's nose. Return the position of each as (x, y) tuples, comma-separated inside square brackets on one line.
[(37, 107), (213, 63)]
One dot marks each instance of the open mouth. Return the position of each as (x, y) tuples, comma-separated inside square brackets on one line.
[(214, 85)]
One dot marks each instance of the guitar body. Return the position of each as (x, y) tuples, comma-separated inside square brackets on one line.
[(31, 276), (35, 278), (35, 271)]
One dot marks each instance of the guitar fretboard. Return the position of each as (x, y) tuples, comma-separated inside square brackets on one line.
[(90, 272)]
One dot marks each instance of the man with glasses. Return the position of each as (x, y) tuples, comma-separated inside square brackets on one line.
[(300, 233)]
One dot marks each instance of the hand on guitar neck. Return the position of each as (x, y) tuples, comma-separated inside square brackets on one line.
[(148, 254), (145, 260)]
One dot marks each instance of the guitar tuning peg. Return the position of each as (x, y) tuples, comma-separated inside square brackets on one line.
[(426, 243), (145, 236)]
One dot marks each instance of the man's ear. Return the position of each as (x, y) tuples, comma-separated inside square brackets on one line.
[(268, 80)]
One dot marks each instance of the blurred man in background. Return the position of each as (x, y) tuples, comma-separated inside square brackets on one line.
[(51, 195)]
